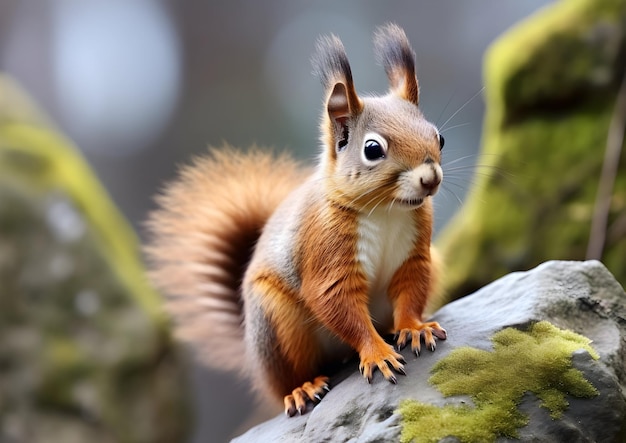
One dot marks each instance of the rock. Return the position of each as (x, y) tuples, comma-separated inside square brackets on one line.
[(551, 85), (539, 309), (85, 352)]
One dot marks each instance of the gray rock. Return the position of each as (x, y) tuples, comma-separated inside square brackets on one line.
[(579, 296)]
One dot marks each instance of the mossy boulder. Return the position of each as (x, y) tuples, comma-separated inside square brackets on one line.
[(551, 84), (85, 353), (535, 356)]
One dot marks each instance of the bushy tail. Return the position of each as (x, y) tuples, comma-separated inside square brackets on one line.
[(201, 238)]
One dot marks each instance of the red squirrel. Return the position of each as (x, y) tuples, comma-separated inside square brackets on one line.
[(290, 270)]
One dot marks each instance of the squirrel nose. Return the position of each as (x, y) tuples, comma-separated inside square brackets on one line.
[(431, 183), (425, 179)]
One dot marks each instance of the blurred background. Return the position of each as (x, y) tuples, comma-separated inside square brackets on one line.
[(140, 86)]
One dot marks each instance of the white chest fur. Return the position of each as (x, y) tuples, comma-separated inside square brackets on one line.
[(385, 241)]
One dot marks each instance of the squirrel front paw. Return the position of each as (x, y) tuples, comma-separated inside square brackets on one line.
[(381, 356), (415, 330), (312, 391)]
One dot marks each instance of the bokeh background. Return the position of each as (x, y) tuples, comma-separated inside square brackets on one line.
[(140, 86)]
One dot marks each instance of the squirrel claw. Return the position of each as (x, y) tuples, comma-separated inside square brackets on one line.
[(383, 358), (440, 333), (310, 391), (417, 352), (291, 410), (415, 331)]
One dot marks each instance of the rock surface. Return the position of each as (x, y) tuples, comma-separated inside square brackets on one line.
[(551, 85), (85, 353), (579, 296)]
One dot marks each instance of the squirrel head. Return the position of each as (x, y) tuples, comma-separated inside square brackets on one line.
[(378, 151)]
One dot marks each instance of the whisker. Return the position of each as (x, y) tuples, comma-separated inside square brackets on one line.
[(463, 173), (457, 185), (461, 176), (466, 175), (446, 106), (382, 199), (360, 196), (449, 191), (372, 200), (463, 106), (375, 187), (457, 160), (460, 125), (338, 189)]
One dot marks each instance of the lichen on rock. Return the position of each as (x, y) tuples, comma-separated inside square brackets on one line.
[(537, 361)]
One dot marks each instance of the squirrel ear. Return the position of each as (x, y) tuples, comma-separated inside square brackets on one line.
[(338, 107), (330, 63), (397, 57)]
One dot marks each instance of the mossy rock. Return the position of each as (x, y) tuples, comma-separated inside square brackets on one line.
[(537, 361), (551, 84), (86, 353)]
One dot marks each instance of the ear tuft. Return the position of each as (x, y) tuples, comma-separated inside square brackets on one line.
[(330, 63), (394, 52)]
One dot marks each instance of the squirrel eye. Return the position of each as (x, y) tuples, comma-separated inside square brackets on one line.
[(373, 150), (442, 141)]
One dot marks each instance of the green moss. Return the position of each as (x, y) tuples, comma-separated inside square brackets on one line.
[(556, 54), (42, 157), (551, 83), (537, 361), (62, 363), (33, 152), (84, 339)]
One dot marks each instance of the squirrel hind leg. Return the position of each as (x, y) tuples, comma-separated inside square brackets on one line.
[(283, 352), (310, 391)]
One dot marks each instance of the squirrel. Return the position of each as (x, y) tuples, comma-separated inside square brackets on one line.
[(279, 272)]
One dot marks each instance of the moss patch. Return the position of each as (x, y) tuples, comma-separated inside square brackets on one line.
[(537, 361)]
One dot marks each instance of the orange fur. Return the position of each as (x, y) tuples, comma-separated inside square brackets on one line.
[(294, 338), (335, 286), (410, 289)]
